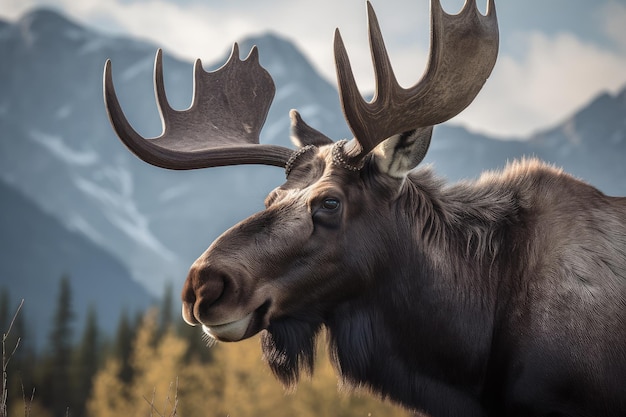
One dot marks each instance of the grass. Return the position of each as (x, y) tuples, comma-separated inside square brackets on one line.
[(173, 403), (7, 354)]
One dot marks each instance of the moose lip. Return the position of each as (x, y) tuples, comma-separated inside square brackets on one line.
[(229, 332), (239, 329)]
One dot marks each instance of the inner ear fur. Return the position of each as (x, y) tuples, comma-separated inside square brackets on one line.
[(400, 153)]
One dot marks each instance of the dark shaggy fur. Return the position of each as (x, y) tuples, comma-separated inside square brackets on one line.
[(505, 296), (289, 347)]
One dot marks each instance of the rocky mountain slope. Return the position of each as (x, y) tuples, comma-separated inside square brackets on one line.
[(37, 251), (57, 148)]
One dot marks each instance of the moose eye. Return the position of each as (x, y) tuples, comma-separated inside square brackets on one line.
[(326, 213), (330, 204)]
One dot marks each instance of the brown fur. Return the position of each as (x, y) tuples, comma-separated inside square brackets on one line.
[(503, 296)]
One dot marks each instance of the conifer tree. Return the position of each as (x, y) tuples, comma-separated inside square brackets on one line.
[(4, 308), (198, 346), (123, 347), (236, 382), (87, 362), (55, 388), (166, 311), (109, 394), (163, 381)]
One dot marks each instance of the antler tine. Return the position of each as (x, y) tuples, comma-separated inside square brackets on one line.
[(351, 101), (385, 78), (222, 125), (159, 90), (463, 52)]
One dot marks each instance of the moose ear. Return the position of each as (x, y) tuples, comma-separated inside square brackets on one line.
[(302, 134), (400, 153)]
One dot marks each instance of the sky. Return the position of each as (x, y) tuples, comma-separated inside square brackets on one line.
[(555, 55)]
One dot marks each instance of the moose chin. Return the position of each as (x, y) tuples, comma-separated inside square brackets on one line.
[(505, 296)]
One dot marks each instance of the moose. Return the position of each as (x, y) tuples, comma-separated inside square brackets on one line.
[(504, 296)]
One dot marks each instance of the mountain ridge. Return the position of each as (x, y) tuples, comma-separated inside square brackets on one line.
[(58, 148), (32, 267)]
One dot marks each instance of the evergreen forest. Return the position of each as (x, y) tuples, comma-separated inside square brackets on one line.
[(154, 366)]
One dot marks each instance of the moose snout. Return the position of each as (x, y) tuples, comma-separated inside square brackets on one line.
[(203, 289)]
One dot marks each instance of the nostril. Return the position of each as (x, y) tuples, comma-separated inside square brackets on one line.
[(208, 296), (188, 314), (211, 287), (203, 289)]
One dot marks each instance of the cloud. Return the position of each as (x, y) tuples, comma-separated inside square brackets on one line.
[(539, 79), (554, 77), (614, 15), (13, 9), (184, 31), (191, 29)]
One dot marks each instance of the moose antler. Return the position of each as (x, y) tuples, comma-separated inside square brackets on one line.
[(230, 105), (222, 125), (463, 52)]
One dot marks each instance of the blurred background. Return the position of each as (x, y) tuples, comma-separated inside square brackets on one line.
[(98, 243)]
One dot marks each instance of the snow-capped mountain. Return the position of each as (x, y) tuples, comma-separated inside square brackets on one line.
[(37, 251), (56, 145), (591, 143)]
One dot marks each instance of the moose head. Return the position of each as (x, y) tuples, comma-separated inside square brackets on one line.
[(325, 233)]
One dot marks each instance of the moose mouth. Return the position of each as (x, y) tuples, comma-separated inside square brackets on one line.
[(239, 329), (229, 332)]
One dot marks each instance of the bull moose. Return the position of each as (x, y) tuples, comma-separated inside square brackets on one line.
[(505, 296)]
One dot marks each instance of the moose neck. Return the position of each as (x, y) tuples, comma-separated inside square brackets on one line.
[(430, 320)]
